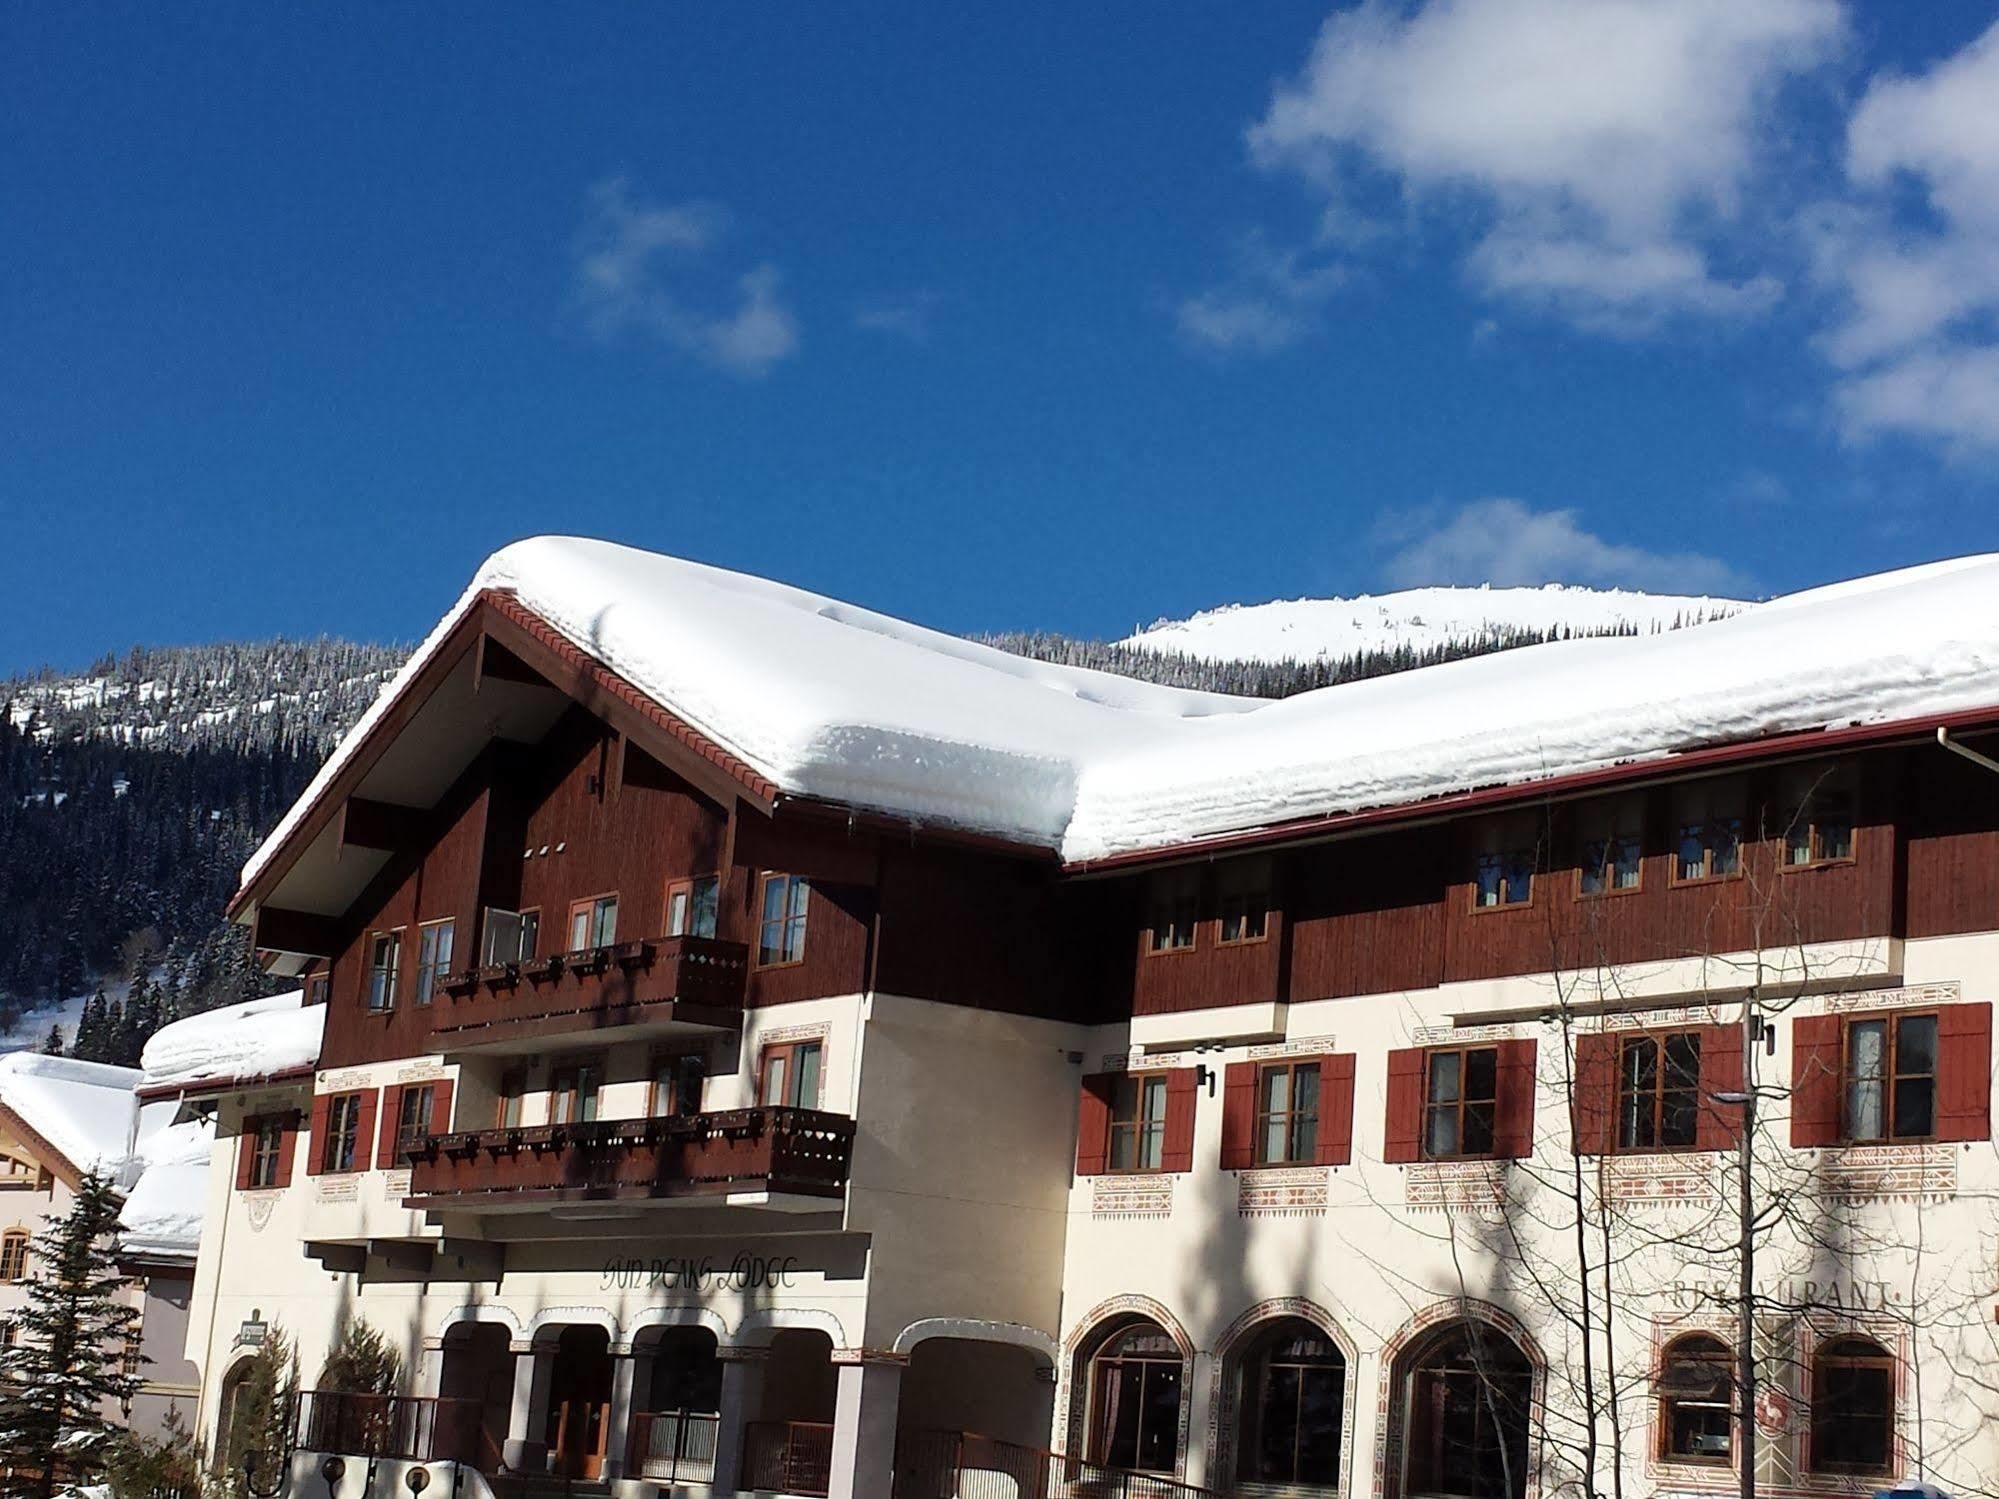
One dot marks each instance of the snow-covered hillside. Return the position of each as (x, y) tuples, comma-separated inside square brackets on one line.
[(1419, 618)]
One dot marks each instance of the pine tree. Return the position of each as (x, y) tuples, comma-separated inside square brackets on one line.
[(69, 1360), (169, 1467), (361, 1361), (260, 1416), (53, 1046)]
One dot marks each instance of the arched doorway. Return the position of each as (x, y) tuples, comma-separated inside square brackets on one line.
[(232, 1421), (1464, 1396), (579, 1404), (1135, 1377), (1288, 1406), (477, 1381), (677, 1405)]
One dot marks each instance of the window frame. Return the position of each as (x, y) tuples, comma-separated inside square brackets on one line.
[(591, 908), (15, 1244), (1702, 806), (329, 1165), (1535, 877), (1824, 1356), (405, 1137), (1603, 828), (797, 887), (1173, 906), (1460, 1103), (1891, 1021), (393, 937), (1658, 1091), (267, 1148), (512, 1089), (1666, 1403), (1807, 799), (1243, 890), (529, 919), (1141, 1125), (789, 1052), (574, 1068), (687, 886), (1290, 1115), (432, 976), (676, 1065)]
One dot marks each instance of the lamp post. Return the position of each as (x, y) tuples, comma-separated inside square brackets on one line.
[(1745, 1248)]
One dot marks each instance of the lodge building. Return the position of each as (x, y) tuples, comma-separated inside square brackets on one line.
[(726, 1067)]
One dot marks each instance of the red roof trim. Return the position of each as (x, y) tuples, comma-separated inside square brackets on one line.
[(226, 1084)]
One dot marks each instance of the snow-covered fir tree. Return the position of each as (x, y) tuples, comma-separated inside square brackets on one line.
[(71, 1363)]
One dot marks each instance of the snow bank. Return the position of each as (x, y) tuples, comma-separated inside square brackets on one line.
[(163, 1211), (85, 1110), (258, 1038), (833, 701), (1419, 618)]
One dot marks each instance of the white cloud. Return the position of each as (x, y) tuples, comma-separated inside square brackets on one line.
[(903, 315), (637, 264), (1505, 542), (1919, 282), (1271, 302), (1601, 143)]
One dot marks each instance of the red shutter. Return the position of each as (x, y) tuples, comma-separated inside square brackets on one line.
[(1403, 1140), (1513, 1110), (246, 1154), (1964, 1072), (1177, 1152), (440, 1107), (322, 1105), (1239, 1116), (392, 1118), (1593, 1094), (1815, 1080), (287, 1148), (1719, 1126), (364, 1131), (1093, 1124), (1336, 1109)]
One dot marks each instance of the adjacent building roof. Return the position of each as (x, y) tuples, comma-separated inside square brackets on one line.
[(832, 702), (237, 1045), (83, 1111)]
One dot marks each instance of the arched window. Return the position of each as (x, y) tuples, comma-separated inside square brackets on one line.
[(14, 1254), (1294, 1389), (1135, 1394), (1853, 1407), (1695, 1388), (1469, 1391)]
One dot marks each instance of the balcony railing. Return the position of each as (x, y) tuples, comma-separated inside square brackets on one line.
[(416, 1428), (963, 1465), (788, 1457), (652, 981), (674, 1446), (799, 1152)]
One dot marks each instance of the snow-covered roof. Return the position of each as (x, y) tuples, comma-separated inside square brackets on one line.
[(831, 701), (85, 1110), (259, 1038), (163, 1211)]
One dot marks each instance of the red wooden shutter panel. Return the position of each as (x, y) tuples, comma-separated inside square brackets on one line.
[(1513, 1109), (1336, 1076), (1239, 1116), (392, 1118), (1815, 1080), (1403, 1140), (246, 1154), (1593, 1094), (1093, 1124), (1719, 1125), (1177, 1152), (1964, 1072), (322, 1105), (364, 1132), (440, 1107), (287, 1149)]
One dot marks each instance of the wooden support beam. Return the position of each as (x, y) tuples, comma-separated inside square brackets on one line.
[(301, 932), (498, 664), (382, 826), (346, 1259), (407, 1255)]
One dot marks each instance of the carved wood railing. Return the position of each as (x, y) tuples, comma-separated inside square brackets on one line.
[(595, 989)]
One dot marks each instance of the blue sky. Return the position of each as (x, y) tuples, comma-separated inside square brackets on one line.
[(1027, 316)]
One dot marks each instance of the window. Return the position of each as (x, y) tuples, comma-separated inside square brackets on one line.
[(1138, 1123), (676, 1084), (1610, 857), (1460, 1102), (693, 905), (1294, 1397), (1245, 901), (14, 1255), (511, 1099), (316, 987), (572, 1090), (593, 923), (511, 936), (1708, 831), (1819, 825), (1287, 1114), (781, 931), (9, 1334), (341, 1148), (1468, 1404), (413, 1120), (791, 1075), (1890, 1078), (1136, 1381), (1658, 1091), (1503, 877), (266, 1152), (1695, 1390), (1853, 1407), (385, 956), (1174, 899), (433, 958)]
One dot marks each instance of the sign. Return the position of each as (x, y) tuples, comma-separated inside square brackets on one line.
[(251, 1333), (744, 1272)]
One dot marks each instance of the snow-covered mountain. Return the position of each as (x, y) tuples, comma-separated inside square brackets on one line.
[(1420, 619)]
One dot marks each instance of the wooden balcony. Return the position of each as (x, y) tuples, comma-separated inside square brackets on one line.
[(653, 986), (787, 1159)]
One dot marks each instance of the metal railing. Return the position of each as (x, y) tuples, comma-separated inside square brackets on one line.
[(788, 1457), (419, 1428), (674, 1446), (965, 1465)]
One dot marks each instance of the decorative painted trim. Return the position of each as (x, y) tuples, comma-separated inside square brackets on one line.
[(870, 1358), (1302, 1046), (550, 1321), (1222, 1434), (1687, 1177), (1949, 992), (779, 1035), (1477, 1187), (1886, 1173), (1459, 1035), (483, 1311), (1016, 1334), (1282, 1192), (1149, 1196), (663, 1317), (738, 1353), (760, 1327)]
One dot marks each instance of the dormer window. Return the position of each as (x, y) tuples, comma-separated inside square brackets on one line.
[(1174, 898), (1608, 855), (1244, 903), (1818, 812), (1708, 831)]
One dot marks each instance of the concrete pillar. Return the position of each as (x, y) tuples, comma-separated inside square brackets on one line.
[(527, 1425), (742, 1399), (864, 1422), (631, 1373)]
